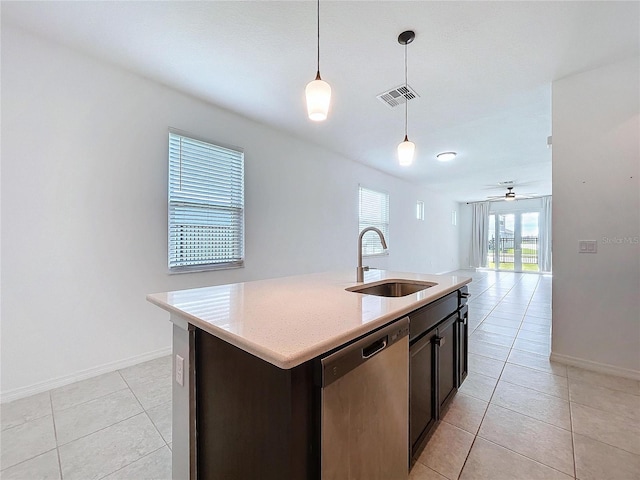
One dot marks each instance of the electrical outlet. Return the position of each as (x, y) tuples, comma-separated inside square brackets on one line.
[(179, 370)]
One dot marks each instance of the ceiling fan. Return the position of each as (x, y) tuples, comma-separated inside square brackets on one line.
[(509, 196)]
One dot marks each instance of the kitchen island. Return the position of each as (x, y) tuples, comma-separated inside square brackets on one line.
[(245, 365)]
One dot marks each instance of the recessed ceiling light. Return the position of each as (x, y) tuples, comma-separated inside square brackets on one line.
[(446, 156)]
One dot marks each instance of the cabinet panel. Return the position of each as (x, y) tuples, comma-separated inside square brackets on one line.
[(447, 359), (438, 362), (463, 344), (253, 420), (429, 316), (422, 408)]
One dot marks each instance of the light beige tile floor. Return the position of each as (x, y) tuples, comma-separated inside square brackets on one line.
[(518, 415), (530, 418), (115, 426)]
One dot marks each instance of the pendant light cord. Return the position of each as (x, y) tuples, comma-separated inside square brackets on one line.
[(406, 96), (318, 17)]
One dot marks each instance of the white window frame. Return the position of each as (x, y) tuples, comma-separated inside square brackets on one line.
[(205, 205), (373, 211)]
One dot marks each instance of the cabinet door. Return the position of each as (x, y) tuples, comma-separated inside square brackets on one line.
[(421, 404), (447, 355), (463, 344)]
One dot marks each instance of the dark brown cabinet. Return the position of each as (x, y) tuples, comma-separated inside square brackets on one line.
[(447, 359), (463, 344), (422, 414), (438, 363)]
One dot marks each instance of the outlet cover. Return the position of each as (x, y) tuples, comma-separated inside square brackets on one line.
[(180, 370)]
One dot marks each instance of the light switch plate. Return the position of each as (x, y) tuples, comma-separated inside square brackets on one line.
[(588, 246)]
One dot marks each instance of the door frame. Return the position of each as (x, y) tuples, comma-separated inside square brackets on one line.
[(517, 238)]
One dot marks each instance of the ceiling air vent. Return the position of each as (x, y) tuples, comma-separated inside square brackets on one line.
[(397, 96)]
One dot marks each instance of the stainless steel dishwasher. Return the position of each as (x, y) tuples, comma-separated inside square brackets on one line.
[(365, 407)]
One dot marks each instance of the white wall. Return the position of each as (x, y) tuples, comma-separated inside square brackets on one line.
[(466, 213), (464, 242), (596, 196), (84, 175)]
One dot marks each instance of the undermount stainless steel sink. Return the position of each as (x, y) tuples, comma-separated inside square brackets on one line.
[(392, 288)]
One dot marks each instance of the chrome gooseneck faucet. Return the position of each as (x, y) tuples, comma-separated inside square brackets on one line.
[(360, 271)]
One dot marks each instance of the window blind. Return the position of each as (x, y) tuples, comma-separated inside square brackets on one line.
[(374, 212), (206, 205)]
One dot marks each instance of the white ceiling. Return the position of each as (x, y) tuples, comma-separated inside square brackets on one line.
[(483, 70)]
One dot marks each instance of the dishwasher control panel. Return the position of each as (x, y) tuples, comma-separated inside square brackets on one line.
[(350, 356)]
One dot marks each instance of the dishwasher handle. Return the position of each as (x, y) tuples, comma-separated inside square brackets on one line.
[(341, 362), (375, 347)]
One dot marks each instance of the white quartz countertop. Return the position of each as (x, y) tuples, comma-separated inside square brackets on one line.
[(287, 321)]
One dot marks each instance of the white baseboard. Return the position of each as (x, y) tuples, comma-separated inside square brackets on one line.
[(40, 387), (596, 366)]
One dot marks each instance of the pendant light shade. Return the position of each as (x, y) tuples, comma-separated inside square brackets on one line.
[(406, 149), (318, 92)]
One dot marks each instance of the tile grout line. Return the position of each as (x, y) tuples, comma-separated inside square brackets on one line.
[(528, 458), (157, 429), (598, 385), (103, 428), (130, 389), (86, 401), (145, 410), (475, 437), (527, 416), (573, 441), (600, 409), (55, 434), (125, 466), (7, 429), (535, 389), (3, 469)]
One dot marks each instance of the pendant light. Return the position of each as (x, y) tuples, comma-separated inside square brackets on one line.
[(318, 92), (406, 149)]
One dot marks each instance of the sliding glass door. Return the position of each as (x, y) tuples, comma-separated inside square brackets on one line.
[(529, 241), (513, 242)]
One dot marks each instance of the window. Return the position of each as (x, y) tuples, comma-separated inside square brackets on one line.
[(420, 210), (374, 212), (206, 205)]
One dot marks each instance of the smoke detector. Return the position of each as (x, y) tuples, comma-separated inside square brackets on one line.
[(397, 96)]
